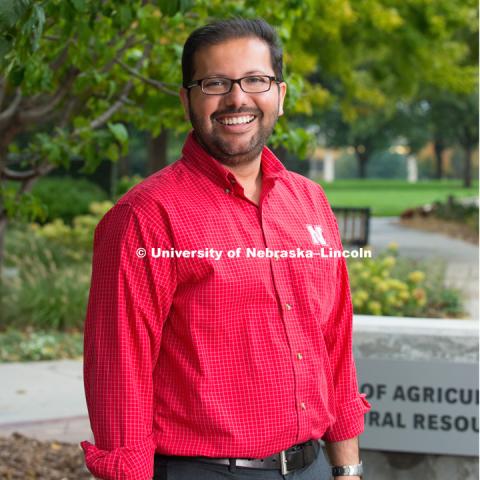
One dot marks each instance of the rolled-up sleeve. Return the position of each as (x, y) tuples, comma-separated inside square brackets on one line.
[(130, 297), (350, 405)]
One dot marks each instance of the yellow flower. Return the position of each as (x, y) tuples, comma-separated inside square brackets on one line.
[(359, 297), (394, 301), (374, 307), (100, 208), (389, 261), (420, 296), (365, 275), (404, 295), (392, 247), (381, 287), (416, 277), (362, 294)]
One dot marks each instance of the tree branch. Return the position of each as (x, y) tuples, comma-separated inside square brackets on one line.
[(3, 84), (105, 116), (10, 111), (129, 42), (122, 100), (149, 81), (37, 113), (26, 187), (62, 57), (43, 169)]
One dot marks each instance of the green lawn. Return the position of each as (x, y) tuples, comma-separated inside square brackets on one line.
[(392, 197)]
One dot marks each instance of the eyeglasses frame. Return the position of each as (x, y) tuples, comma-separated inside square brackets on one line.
[(198, 83)]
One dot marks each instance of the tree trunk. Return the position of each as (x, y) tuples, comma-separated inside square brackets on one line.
[(157, 152), (439, 148), (124, 166), (362, 159), (467, 166), (3, 231)]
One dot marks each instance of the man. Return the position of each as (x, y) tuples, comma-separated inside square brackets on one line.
[(215, 345)]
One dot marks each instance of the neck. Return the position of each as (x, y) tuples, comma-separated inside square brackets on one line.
[(246, 172), (249, 175)]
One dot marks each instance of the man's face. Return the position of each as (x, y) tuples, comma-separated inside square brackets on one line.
[(240, 143)]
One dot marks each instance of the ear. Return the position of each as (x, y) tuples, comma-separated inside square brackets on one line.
[(185, 102), (282, 91)]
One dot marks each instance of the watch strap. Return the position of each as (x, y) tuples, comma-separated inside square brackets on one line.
[(348, 470)]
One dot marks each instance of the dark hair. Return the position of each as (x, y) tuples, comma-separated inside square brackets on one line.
[(223, 30)]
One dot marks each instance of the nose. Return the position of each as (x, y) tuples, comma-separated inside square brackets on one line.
[(236, 98)]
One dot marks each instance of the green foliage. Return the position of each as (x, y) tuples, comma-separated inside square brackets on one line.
[(48, 277), (391, 197), (45, 293), (126, 183), (35, 345), (77, 238), (453, 210), (65, 197), (391, 286), (86, 70), (24, 207)]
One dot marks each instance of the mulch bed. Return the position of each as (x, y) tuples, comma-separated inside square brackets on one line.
[(452, 229), (29, 459)]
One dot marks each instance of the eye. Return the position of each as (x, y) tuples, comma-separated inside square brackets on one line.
[(215, 82), (253, 80)]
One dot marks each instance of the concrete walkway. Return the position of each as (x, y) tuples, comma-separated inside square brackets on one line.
[(46, 400), (461, 257)]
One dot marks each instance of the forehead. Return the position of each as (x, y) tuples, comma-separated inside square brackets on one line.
[(234, 58)]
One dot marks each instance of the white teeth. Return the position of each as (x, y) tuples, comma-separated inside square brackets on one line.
[(236, 120)]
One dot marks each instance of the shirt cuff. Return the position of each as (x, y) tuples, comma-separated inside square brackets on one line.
[(349, 422), (123, 463)]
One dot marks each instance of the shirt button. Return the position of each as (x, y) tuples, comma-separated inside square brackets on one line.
[(299, 356), (288, 306), (303, 406), (227, 190)]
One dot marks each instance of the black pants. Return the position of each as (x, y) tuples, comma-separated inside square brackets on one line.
[(172, 469)]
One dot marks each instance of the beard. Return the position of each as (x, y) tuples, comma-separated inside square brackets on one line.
[(232, 153)]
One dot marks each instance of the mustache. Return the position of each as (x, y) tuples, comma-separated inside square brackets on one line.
[(230, 111)]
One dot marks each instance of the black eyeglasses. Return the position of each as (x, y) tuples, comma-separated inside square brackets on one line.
[(222, 86)]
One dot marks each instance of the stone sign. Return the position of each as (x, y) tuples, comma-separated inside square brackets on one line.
[(420, 406)]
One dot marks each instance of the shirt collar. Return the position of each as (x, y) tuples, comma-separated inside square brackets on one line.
[(196, 157)]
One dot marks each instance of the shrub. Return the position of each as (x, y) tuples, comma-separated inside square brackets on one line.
[(49, 272), (66, 197), (77, 238), (44, 292), (393, 286), (126, 183), (30, 345)]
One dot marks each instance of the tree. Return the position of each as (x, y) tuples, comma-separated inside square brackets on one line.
[(75, 73), (454, 120), (366, 135), (374, 56)]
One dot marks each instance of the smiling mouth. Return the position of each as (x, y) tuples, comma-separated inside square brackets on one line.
[(245, 119)]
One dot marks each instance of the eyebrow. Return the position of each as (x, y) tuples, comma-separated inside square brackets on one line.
[(250, 72)]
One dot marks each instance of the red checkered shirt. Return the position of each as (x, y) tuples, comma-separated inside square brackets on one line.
[(241, 355)]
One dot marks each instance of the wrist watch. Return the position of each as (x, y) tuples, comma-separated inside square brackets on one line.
[(348, 470)]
